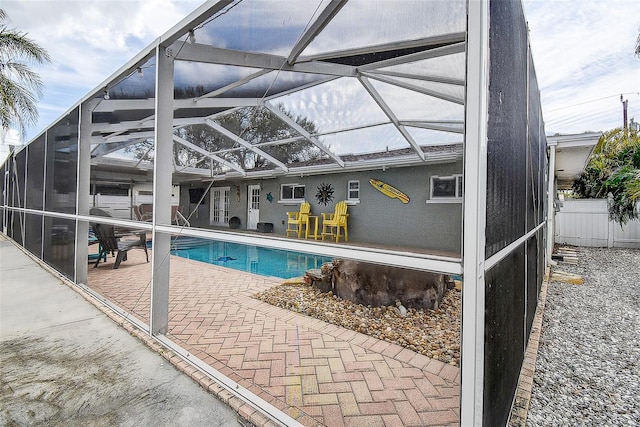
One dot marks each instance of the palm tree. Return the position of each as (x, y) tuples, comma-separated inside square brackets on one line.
[(19, 86), (613, 172)]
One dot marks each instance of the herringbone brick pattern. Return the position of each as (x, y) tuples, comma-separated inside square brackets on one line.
[(318, 373)]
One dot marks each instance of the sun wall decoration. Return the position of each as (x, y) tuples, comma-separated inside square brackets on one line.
[(324, 194)]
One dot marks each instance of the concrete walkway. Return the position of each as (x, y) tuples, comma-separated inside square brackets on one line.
[(64, 362)]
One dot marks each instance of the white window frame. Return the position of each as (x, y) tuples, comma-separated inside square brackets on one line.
[(293, 192), (353, 200), (440, 199), (224, 208)]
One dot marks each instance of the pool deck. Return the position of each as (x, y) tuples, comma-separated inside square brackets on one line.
[(315, 372)]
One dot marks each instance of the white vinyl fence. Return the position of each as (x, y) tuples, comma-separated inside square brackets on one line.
[(116, 206), (586, 223)]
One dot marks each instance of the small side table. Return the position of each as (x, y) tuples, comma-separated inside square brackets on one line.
[(312, 219), (93, 257)]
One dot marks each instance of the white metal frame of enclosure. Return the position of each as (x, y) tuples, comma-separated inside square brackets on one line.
[(474, 215)]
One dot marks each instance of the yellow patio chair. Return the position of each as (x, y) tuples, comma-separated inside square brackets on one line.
[(336, 221), (295, 220)]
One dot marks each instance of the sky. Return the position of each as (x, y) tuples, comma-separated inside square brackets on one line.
[(583, 52)]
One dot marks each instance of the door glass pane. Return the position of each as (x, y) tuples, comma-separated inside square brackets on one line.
[(255, 198)]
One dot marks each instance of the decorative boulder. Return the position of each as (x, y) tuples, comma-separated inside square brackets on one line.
[(381, 285)]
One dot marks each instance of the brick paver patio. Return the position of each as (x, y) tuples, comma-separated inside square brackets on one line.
[(316, 372)]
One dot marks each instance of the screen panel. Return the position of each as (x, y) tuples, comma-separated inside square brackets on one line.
[(535, 144), (16, 226), (35, 173), (504, 335), (512, 181), (59, 244), (16, 188), (19, 174), (507, 131), (532, 282), (542, 233), (62, 159), (2, 196), (33, 234)]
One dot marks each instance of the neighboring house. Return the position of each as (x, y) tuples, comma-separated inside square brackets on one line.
[(571, 154), (581, 222)]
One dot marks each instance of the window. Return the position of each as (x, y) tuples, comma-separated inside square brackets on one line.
[(255, 197), (446, 188), (353, 191), (291, 193)]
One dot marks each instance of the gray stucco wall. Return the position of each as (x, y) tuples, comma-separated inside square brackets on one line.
[(376, 219)]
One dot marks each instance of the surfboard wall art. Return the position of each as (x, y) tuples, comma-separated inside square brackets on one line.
[(389, 191)]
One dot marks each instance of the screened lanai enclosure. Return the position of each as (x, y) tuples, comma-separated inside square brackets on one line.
[(421, 120)]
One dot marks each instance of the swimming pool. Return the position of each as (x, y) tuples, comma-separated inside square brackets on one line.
[(253, 259)]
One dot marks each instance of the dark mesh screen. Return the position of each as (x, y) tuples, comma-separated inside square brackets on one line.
[(504, 335), (59, 247), (35, 173), (16, 194), (513, 205), (532, 281), (507, 132), (62, 159), (2, 193), (536, 144), (19, 178), (33, 234)]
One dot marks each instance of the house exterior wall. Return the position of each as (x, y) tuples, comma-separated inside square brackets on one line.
[(375, 219)]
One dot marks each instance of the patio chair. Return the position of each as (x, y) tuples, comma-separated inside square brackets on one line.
[(333, 222), (108, 242), (99, 212), (144, 212), (295, 220)]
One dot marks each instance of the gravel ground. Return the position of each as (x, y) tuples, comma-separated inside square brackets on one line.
[(588, 366), (433, 333)]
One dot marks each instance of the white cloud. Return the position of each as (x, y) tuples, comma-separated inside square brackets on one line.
[(88, 41), (583, 52), (8, 139)]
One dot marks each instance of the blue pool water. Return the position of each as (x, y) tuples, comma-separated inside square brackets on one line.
[(262, 261)]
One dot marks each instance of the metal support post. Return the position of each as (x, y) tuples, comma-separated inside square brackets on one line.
[(474, 215), (82, 190), (162, 167)]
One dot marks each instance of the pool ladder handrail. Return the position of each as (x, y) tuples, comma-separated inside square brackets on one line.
[(181, 220)]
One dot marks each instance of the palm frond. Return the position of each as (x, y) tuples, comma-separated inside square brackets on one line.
[(22, 74), (17, 105), (19, 86)]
